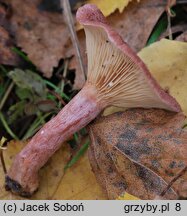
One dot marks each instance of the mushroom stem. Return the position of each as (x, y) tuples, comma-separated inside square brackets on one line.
[(22, 178)]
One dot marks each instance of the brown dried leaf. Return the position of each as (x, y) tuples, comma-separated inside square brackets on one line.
[(7, 56), (42, 35), (137, 21), (140, 151), (45, 38)]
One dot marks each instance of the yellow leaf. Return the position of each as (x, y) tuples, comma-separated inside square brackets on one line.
[(127, 196), (2, 141), (167, 61), (77, 183), (112, 109), (109, 6), (80, 183)]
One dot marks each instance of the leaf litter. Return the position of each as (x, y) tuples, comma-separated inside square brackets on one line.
[(39, 50), (139, 151), (43, 39), (40, 38), (7, 56)]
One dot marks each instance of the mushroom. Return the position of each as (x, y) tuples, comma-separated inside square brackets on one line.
[(116, 77)]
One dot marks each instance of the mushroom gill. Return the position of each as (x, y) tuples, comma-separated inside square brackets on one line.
[(118, 74)]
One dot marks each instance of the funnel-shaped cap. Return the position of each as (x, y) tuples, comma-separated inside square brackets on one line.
[(120, 76)]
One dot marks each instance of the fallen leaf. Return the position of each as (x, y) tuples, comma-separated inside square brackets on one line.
[(166, 61), (40, 34), (77, 183), (127, 196), (7, 56), (109, 6), (46, 39), (50, 175), (139, 151), (137, 21), (80, 183)]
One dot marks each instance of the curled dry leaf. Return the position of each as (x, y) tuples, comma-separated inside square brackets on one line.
[(140, 151), (7, 56)]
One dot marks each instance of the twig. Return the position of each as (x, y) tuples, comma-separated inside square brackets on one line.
[(170, 3), (3, 161), (67, 14), (5, 125), (64, 75), (6, 95), (169, 29), (174, 180), (2, 141), (174, 29)]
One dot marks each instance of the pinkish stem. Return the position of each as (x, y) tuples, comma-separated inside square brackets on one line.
[(23, 175)]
